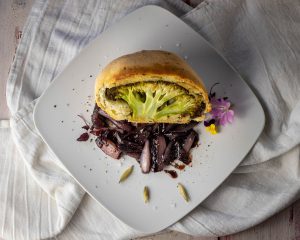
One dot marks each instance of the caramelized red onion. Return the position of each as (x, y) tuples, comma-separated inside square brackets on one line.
[(120, 124), (145, 158), (188, 142), (154, 146), (86, 127), (108, 147), (157, 150), (83, 137), (184, 127), (86, 124), (167, 156)]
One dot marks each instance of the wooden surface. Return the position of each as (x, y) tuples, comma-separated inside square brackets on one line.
[(283, 226)]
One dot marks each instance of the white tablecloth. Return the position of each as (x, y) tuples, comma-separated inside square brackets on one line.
[(260, 38)]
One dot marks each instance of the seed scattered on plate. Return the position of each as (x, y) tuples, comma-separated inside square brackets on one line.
[(126, 174), (146, 194), (183, 192)]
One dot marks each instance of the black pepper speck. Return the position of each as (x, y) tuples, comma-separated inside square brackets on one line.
[(91, 75), (55, 106)]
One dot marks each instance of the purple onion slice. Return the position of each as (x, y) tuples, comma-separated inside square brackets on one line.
[(108, 147), (83, 137), (188, 142), (145, 158)]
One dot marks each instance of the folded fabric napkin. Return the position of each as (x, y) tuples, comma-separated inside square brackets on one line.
[(260, 39)]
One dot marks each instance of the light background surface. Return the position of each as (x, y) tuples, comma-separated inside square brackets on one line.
[(13, 13)]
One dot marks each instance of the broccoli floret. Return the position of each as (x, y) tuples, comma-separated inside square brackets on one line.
[(152, 101)]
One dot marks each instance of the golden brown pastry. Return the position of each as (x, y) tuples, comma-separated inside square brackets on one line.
[(151, 86)]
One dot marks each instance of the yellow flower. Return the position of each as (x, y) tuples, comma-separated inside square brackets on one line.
[(212, 129)]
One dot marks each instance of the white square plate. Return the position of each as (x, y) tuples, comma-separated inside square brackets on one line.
[(218, 155)]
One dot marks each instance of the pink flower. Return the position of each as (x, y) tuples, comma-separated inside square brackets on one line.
[(221, 111)]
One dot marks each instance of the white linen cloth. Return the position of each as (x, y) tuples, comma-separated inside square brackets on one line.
[(260, 38)]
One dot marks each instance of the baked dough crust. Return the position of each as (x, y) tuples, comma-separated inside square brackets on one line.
[(148, 65)]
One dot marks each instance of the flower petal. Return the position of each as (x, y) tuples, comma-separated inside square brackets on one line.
[(212, 129), (223, 120), (230, 116)]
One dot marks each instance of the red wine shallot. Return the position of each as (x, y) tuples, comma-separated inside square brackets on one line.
[(153, 145)]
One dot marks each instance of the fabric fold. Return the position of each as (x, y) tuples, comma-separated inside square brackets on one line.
[(44, 167), (40, 200)]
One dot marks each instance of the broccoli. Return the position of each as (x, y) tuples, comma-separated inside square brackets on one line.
[(156, 101)]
